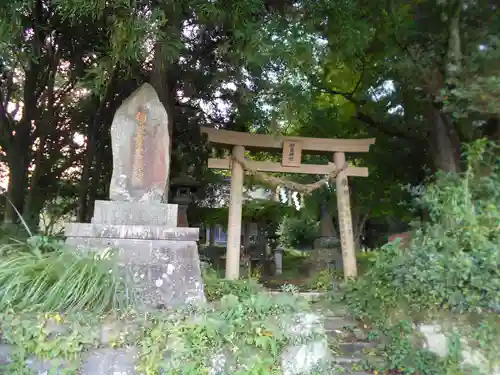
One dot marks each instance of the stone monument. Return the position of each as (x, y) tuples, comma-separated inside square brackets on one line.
[(160, 258), (326, 253), (141, 145)]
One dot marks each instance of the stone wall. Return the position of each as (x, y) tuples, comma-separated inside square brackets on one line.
[(115, 347), (437, 342)]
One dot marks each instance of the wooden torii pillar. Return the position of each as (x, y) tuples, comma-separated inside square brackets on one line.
[(291, 162)]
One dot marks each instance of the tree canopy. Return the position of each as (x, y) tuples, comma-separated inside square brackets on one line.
[(421, 76)]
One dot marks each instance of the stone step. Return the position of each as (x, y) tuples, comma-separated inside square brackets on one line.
[(310, 296), (355, 348), (338, 323), (346, 365)]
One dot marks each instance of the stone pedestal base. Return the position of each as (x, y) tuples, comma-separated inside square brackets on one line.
[(130, 213), (160, 261), (326, 254)]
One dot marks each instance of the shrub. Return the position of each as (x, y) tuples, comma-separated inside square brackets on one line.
[(365, 260), (298, 232), (217, 287), (321, 281), (450, 270)]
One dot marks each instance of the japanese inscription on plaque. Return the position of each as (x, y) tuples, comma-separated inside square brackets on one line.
[(292, 154)]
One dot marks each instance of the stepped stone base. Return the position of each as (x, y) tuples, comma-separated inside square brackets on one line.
[(127, 213), (160, 260)]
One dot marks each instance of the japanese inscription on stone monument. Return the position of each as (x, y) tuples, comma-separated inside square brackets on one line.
[(140, 141)]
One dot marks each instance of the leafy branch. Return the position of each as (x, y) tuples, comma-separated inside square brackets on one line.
[(364, 117)]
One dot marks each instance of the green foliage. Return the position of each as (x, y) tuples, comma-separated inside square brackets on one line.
[(321, 281), (294, 259), (364, 261), (217, 287), (213, 253), (253, 329), (255, 210), (10, 235), (298, 232), (43, 274), (449, 273)]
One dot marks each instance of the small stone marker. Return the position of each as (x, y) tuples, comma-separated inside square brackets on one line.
[(141, 143)]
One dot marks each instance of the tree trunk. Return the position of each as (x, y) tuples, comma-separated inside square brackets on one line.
[(93, 132), (326, 223), (444, 144), (18, 162), (359, 216), (211, 236), (160, 82), (95, 181), (492, 128), (359, 229), (19, 152), (86, 171), (32, 208)]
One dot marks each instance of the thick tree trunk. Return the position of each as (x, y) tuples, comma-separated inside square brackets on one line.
[(35, 199), (92, 166), (93, 131), (95, 181), (327, 228), (159, 80), (33, 211), (359, 216), (86, 172), (359, 229), (18, 162), (444, 144), (492, 129), (19, 152)]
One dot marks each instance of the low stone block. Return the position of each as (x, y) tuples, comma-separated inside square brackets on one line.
[(438, 343), (36, 365), (110, 362), (138, 232), (5, 354), (311, 358), (163, 273), (135, 213), (308, 355)]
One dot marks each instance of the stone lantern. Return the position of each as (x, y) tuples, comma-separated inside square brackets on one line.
[(184, 188), (278, 260)]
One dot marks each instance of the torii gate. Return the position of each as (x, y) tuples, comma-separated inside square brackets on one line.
[(291, 162)]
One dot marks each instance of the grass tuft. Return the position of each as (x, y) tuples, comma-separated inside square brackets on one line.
[(61, 280)]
